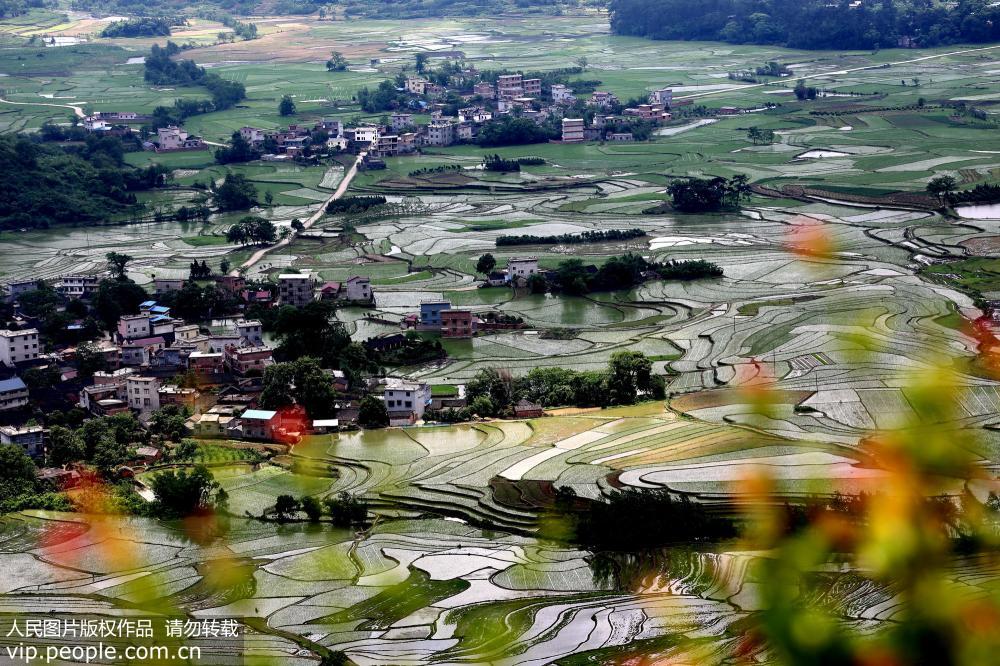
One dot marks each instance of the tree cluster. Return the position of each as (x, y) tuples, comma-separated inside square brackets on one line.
[(252, 230), (707, 195), (142, 26), (600, 236), (354, 204)]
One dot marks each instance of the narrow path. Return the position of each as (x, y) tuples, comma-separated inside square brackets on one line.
[(78, 110), (839, 72), (341, 189)]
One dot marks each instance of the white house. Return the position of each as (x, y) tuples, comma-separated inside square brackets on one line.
[(19, 346), (403, 396), (522, 267), (143, 393)]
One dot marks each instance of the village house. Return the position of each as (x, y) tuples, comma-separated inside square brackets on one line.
[(510, 85), (163, 285), (415, 85), (528, 410), (358, 289), (244, 360), (387, 145), (295, 288), (572, 130), (13, 394), (232, 284), (12, 290), (440, 133), (664, 97), (484, 90), (175, 395), (77, 286), (400, 121), (143, 393), (430, 314), (31, 438), (173, 138), (406, 401), (251, 332), (133, 327), (458, 324), (364, 136), (19, 346), (206, 364), (603, 100), (140, 351), (521, 268), (562, 94), (531, 87), (620, 137), (259, 424)]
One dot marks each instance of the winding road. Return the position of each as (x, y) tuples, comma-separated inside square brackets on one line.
[(341, 189), (78, 110)]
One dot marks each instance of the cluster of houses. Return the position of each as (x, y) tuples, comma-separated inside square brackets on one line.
[(119, 123), (657, 111)]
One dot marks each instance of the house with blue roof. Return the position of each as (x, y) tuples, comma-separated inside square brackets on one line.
[(13, 394), (259, 423)]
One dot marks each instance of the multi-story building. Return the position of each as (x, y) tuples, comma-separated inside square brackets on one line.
[(572, 130), (175, 395), (458, 324), (603, 100), (531, 87), (19, 346), (295, 288), (143, 393), (13, 394), (510, 85), (561, 94), (133, 327), (430, 314), (206, 363), (485, 90), (404, 396), (77, 286), (251, 332), (141, 350), (357, 288), (364, 135), (29, 438), (174, 138), (664, 97), (386, 146), (415, 85), (521, 268), (244, 360), (620, 137), (440, 134), (400, 121)]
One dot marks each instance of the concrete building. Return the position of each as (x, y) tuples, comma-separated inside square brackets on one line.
[(259, 424), (174, 138), (295, 288), (12, 290), (13, 394), (440, 134), (206, 363), (521, 268), (562, 94), (133, 327), (400, 121), (175, 395), (143, 393), (19, 346), (404, 396), (244, 360), (664, 97), (357, 288), (430, 314), (29, 438), (251, 331), (603, 100), (620, 137), (458, 324), (77, 286), (510, 85), (572, 130), (531, 87), (163, 285), (485, 90), (415, 85)]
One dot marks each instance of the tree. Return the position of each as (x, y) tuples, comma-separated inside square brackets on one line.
[(109, 453), (180, 493), (287, 106), (169, 422), (268, 197), (285, 507), (346, 510), (421, 62), (224, 267), (187, 449), (298, 225), (117, 262), (581, 62), (942, 187), (311, 507), (486, 264), (754, 135), (337, 62), (372, 413), (17, 472), (64, 446), (252, 230), (235, 193), (115, 298), (628, 374)]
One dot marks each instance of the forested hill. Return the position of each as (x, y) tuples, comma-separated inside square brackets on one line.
[(810, 24)]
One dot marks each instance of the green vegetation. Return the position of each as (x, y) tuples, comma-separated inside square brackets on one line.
[(572, 239), (146, 26)]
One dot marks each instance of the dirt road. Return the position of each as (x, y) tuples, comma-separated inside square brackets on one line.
[(341, 189)]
